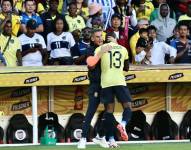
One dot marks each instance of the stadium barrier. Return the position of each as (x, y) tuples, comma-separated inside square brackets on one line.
[(77, 75)]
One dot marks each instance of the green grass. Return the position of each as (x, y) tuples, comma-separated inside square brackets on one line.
[(167, 146)]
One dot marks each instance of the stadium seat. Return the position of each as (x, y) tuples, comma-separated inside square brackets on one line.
[(73, 129), (1, 135), (138, 128), (163, 127), (19, 130), (50, 120), (185, 126)]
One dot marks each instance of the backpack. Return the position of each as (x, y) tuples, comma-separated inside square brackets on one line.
[(19, 130), (138, 128), (163, 127), (50, 120), (74, 128), (1, 135), (185, 126)]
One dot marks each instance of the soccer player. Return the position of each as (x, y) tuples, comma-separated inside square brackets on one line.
[(113, 84), (94, 74)]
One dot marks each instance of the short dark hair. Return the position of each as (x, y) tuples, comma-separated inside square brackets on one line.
[(66, 27), (142, 42), (53, 1), (72, 3), (95, 30), (142, 30), (182, 23), (29, 1), (116, 15), (151, 27), (8, 21), (112, 34), (11, 1)]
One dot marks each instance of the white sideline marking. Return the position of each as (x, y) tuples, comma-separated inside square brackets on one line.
[(91, 143)]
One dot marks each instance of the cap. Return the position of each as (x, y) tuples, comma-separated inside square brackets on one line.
[(116, 16), (31, 24)]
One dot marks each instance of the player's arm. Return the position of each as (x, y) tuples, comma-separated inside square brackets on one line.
[(93, 60)]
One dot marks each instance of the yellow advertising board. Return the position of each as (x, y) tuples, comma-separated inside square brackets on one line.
[(147, 86)]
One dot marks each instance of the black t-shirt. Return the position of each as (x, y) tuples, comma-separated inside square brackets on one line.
[(95, 73), (186, 58)]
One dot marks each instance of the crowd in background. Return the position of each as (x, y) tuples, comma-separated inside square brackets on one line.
[(58, 32)]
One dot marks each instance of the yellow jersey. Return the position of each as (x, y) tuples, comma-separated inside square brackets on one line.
[(75, 23), (11, 50), (15, 23), (112, 64), (133, 42)]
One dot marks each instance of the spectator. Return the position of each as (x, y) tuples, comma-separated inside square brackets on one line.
[(143, 32), (182, 44), (174, 36), (34, 51), (49, 16), (30, 14), (95, 11), (59, 43), (143, 8), (163, 23), (154, 14), (143, 51), (7, 14), (98, 24), (82, 9), (10, 46), (74, 21), (79, 51), (118, 30), (160, 49), (124, 9), (142, 23)]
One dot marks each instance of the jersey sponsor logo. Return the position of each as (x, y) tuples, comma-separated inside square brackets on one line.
[(139, 102), (176, 76), (37, 40), (130, 77), (64, 37), (138, 89), (21, 106), (20, 92), (78, 21), (80, 78), (31, 80)]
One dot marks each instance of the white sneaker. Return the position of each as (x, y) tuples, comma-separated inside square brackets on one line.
[(82, 143), (113, 144), (101, 141)]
